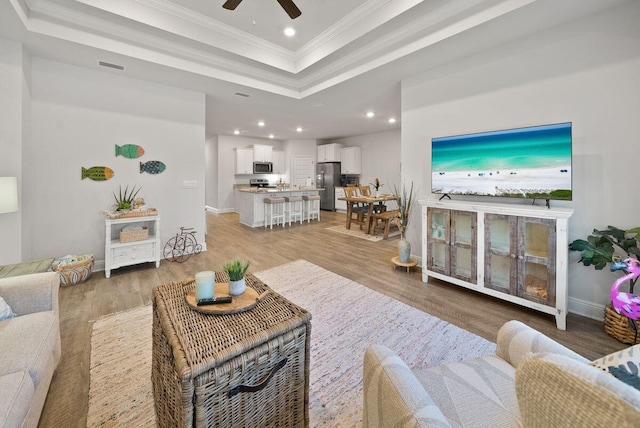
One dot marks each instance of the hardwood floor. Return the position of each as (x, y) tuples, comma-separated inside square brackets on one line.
[(368, 263)]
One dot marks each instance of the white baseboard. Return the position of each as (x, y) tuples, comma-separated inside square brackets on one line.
[(219, 211), (586, 309)]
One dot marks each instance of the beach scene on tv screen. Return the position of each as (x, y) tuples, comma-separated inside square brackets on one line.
[(533, 162)]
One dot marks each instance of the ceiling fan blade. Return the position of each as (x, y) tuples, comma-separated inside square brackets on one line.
[(231, 4), (290, 8)]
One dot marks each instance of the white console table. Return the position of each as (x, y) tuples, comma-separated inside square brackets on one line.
[(118, 254), (513, 252)]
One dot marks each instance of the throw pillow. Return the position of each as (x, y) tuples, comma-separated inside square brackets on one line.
[(622, 365), (5, 310)]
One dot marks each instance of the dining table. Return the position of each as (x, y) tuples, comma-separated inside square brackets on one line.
[(370, 201)]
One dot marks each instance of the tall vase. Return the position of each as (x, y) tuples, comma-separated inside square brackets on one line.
[(404, 250), (236, 288)]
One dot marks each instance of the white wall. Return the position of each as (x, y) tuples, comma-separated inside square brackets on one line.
[(585, 72), (78, 116), (14, 126), (380, 157), (211, 172)]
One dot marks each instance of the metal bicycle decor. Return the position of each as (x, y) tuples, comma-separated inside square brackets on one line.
[(182, 246)]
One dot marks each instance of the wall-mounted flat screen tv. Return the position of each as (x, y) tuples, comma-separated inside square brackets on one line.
[(531, 162)]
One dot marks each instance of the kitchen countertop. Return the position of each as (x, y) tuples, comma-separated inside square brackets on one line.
[(284, 190)]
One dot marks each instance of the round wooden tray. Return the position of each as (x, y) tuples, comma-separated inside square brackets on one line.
[(241, 303)]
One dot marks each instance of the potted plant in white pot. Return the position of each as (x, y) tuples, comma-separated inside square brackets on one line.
[(236, 269), (405, 200), (601, 249)]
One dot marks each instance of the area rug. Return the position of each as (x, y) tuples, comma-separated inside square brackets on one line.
[(347, 317), (357, 233)]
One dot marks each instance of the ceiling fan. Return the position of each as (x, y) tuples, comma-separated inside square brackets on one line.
[(288, 6)]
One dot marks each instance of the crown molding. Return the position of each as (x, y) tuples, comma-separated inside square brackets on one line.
[(179, 21), (321, 81), (140, 45), (351, 27), (55, 20)]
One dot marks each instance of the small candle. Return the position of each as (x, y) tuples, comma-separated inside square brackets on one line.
[(204, 284)]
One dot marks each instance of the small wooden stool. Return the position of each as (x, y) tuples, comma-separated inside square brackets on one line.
[(396, 262)]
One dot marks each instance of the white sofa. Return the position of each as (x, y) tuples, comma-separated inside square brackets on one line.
[(29, 347), (531, 381)]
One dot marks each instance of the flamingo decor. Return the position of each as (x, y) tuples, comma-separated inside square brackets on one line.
[(626, 304)]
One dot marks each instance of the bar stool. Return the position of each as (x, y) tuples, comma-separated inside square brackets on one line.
[(270, 214), (312, 207), (294, 208)]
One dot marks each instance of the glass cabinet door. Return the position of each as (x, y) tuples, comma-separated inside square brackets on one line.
[(463, 245), (438, 221), (536, 260), (500, 253)]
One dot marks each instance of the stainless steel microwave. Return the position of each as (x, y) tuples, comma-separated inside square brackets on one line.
[(262, 167)]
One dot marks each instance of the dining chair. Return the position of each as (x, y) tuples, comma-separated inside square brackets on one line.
[(357, 211)]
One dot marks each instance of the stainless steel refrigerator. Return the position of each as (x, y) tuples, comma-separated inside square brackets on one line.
[(328, 177)]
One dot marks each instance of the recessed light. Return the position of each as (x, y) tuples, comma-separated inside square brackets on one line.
[(370, 114), (261, 123), (299, 129), (237, 132), (392, 120), (289, 32), (271, 136)]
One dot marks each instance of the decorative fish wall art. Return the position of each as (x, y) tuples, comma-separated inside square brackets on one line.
[(152, 167), (97, 173), (129, 151)]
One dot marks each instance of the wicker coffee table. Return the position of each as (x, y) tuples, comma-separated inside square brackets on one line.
[(249, 369)]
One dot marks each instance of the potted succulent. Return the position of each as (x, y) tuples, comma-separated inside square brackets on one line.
[(601, 249), (236, 269), (405, 203), (125, 200)]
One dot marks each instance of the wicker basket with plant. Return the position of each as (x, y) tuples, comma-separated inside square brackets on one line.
[(601, 249)]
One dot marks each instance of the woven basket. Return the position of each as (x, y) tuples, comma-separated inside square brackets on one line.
[(74, 273), (619, 327), (134, 235)]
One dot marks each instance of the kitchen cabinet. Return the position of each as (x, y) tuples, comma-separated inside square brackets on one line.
[(452, 243), (244, 161), (351, 158), (118, 254), (262, 153), (279, 166), (329, 152), (513, 252)]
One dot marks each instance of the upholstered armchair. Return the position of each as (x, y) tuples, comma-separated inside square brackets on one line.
[(531, 381)]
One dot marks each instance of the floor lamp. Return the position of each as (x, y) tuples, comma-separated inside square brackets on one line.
[(8, 194)]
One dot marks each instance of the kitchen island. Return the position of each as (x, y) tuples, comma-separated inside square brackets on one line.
[(250, 201)]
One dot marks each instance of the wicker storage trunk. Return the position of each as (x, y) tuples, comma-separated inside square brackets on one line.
[(249, 369)]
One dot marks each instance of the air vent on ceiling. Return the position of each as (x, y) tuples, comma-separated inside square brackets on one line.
[(240, 94), (110, 65)]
